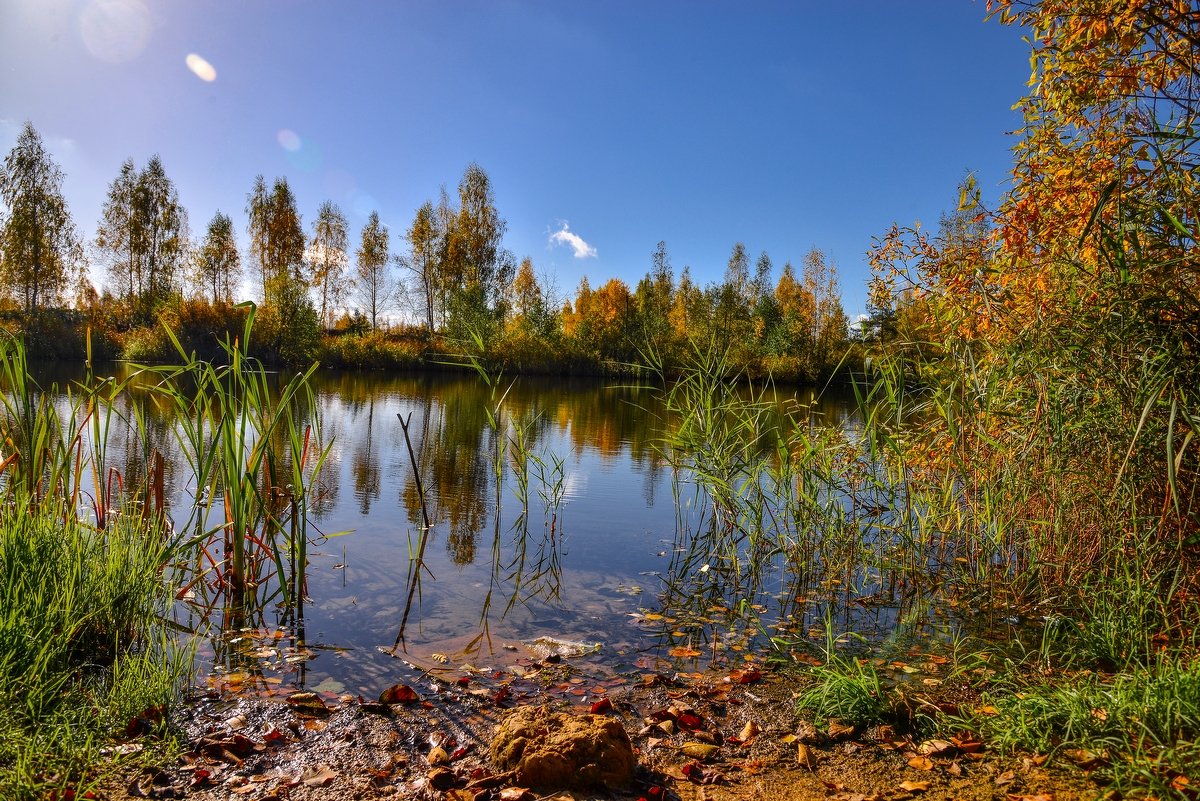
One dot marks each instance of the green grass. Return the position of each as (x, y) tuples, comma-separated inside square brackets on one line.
[(847, 689), (83, 646), (90, 559)]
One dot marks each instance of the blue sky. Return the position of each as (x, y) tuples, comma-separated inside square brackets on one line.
[(786, 125)]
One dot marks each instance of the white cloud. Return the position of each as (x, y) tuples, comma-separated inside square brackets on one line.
[(565, 236)]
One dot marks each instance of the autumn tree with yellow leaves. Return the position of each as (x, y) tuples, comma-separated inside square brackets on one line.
[(1059, 333)]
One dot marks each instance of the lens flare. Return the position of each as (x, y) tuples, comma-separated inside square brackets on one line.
[(201, 68), (288, 140), (115, 30), (363, 204)]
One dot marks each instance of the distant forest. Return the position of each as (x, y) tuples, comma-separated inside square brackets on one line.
[(447, 287)]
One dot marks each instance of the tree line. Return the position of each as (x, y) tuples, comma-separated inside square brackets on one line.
[(448, 277)]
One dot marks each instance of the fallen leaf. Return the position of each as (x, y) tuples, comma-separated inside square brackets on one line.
[(839, 730), (967, 743), (698, 774), (1085, 759), (515, 794), (399, 694), (601, 707), (753, 767), (914, 787), (921, 763), (936, 748), (701, 751), (683, 652), (747, 676), (805, 756), (749, 732), (441, 778), (306, 703)]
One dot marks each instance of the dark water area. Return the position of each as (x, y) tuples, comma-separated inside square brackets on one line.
[(556, 522)]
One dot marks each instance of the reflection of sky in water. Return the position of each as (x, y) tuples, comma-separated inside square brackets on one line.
[(581, 570)]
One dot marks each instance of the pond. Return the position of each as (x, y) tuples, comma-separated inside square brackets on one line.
[(557, 525)]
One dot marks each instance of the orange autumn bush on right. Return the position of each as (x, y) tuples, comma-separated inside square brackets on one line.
[(1055, 338)]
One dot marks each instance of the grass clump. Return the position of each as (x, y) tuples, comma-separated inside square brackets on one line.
[(90, 557), (847, 689), (83, 647)]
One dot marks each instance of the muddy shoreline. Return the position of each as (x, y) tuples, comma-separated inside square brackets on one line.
[(717, 736)]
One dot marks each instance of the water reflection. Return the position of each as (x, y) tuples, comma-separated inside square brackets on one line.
[(552, 510)]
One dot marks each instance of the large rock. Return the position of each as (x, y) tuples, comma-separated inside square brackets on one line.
[(555, 751)]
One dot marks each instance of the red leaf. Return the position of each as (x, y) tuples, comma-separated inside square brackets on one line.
[(399, 694), (602, 706), (144, 721), (747, 676)]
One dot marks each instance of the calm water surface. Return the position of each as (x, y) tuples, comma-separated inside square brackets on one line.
[(593, 550)]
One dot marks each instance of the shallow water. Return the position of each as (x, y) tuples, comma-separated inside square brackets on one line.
[(595, 549)]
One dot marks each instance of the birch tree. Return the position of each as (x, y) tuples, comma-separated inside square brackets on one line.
[(38, 239)]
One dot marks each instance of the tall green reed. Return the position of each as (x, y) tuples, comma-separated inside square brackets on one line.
[(85, 587), (252, 441)]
